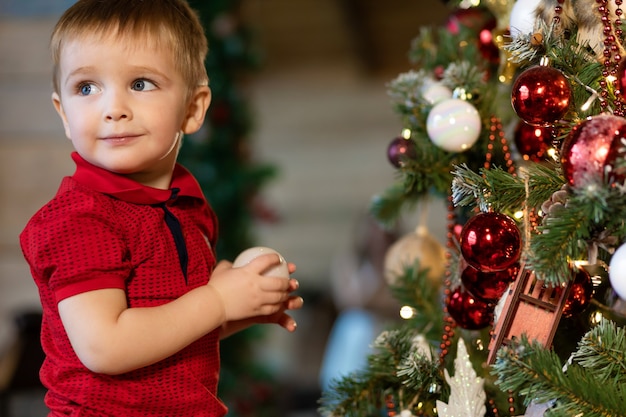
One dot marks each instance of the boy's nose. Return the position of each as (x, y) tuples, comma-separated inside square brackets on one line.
[(116, 116), (117, 108)]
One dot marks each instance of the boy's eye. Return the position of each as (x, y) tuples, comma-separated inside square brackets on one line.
[(87, 89), (143, 85)]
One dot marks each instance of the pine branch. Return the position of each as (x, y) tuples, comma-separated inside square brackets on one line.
[(464, 73), (501, 191), (559, 242), (389, 372), (434, 47), (591, 216), (399, 366), (602, 350), (355, 395), (543, 181), (414, 289), (537, 374), (428, 173), (406, 93), (387, 207)]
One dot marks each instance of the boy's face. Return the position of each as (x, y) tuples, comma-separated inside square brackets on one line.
[(124, 106)]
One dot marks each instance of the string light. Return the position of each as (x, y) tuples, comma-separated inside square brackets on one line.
[(407, 312)]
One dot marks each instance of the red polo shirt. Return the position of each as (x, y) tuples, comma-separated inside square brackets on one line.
[(103, 230)]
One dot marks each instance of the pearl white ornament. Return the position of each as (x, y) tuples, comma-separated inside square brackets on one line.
[(522, 20), (454, 125), (434, 92), (245, 257), (617, 271)]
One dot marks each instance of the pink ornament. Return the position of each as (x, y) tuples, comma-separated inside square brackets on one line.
[(491, 242), (541, 95), (589, 153)]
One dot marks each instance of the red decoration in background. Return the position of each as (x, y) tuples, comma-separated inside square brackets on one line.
[(580, 294), (533, 142), (220, 113), (473, 18), (469, 312), (481, 21), (491, 242), (591, 149), (400, 150), (541, 95), (487, 47), (488, 286)]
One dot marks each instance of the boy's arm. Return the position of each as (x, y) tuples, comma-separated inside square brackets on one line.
[(111, 338)]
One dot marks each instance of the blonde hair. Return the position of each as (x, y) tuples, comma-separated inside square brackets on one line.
[(165, 23)]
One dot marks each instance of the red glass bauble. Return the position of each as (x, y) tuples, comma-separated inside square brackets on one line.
[(469, 312), (400, 150), (488, 286), (533, 142), (591, 149), (491, 242), (541, 95), (580, 294)]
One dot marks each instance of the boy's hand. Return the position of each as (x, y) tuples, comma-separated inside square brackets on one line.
[(246, 293), (281, 318)]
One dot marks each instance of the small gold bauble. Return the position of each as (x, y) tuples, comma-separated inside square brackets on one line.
[(420, 246)]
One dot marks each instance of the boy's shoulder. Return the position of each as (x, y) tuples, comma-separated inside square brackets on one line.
[(74, 199)]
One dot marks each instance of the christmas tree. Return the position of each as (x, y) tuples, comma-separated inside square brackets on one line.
[(514, 112)]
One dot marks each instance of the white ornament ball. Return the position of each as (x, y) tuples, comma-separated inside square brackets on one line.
[(434, 92), (617, 271), (245, 257), (453, 125), (415, 246), (522, 20)]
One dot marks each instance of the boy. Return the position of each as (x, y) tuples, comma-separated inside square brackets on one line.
[(133, 303)]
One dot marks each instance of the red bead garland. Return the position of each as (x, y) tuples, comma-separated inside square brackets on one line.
[(612, 58), (449, 323)]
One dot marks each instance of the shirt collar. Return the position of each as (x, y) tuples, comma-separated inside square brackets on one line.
[(126, 189)]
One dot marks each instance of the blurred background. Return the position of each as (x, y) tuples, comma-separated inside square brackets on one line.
[(321, 116)]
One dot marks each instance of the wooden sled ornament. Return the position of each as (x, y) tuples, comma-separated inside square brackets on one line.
[(531, 307)]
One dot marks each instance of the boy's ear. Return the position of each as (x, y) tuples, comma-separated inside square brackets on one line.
[(56, 101), (196, 110)]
